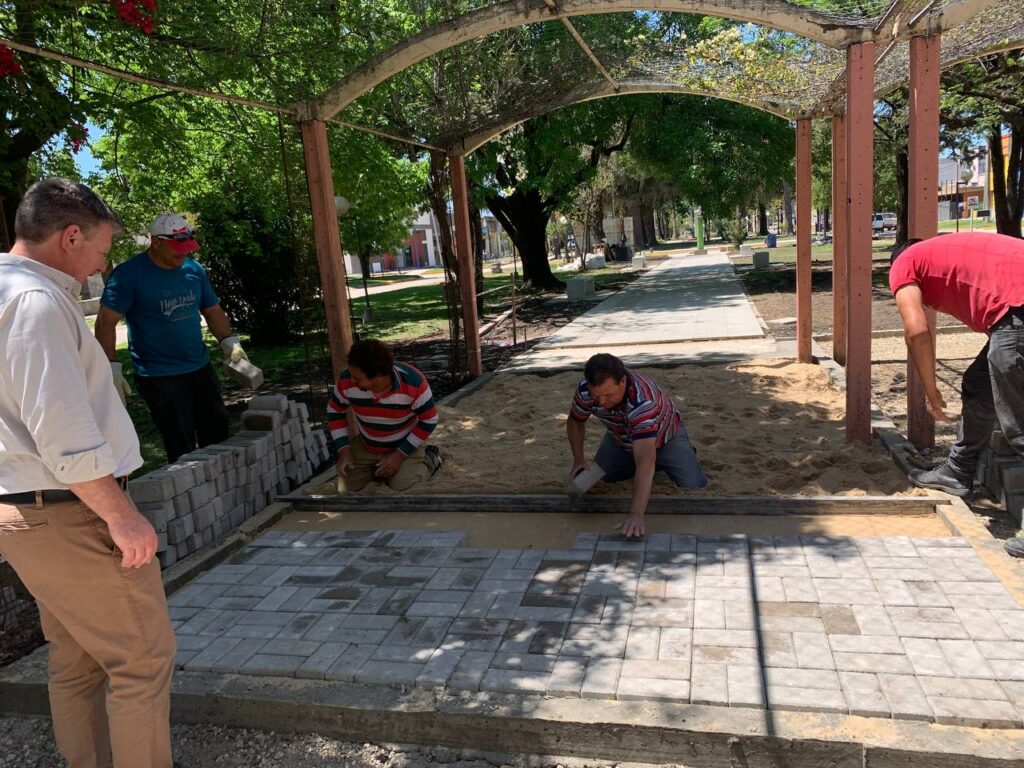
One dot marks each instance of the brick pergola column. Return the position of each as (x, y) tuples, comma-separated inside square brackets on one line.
[(923, 211), (840, 242), (803, 240), (860, 104), (328, 241), (464, 253)]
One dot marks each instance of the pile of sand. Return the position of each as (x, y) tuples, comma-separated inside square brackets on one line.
[(759, 427)]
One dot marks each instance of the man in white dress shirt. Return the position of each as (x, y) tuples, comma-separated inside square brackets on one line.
[(66, 525)]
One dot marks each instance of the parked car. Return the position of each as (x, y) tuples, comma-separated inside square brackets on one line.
[(883, 222)]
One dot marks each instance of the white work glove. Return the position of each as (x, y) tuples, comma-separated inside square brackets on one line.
[(231, 346), (120, 383)]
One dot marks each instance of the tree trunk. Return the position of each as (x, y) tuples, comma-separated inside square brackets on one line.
[(762, 220), (1008, 190), (477, 235), (648, 215), (437, 193), (639, 233), (787, 205), (902, 195), (524, 216)]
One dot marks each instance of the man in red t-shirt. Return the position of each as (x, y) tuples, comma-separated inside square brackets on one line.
[(978, 278)]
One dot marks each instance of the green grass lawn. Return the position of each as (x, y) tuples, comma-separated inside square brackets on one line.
[(786, 254), (388, 279)]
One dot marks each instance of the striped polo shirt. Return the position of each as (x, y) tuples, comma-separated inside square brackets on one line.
[(399, 419), (646, 411)]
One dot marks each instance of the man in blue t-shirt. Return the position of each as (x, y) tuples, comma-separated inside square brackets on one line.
[(161, 293)]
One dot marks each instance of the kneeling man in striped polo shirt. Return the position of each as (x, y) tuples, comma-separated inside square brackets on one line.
[(393, 411), (645, 433)]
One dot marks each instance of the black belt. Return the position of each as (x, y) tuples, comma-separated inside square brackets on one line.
[(50, 496), (1007, 318), (47, 496)]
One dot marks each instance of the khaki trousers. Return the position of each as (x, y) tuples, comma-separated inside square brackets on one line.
[(111, 642), (413, 470)]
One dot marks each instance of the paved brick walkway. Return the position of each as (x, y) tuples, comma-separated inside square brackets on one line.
[(914, 628), (686, 298)]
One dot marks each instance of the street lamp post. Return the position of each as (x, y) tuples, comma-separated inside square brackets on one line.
[(965, 177), (342, 206)]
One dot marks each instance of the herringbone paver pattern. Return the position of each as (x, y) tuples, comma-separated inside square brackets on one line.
[(914, 628)]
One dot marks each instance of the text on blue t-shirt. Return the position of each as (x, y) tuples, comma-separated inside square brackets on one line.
[(162, 310)]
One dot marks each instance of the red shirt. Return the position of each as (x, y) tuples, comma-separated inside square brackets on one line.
[(973, 276)]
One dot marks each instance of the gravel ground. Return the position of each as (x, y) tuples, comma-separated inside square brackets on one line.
[(27, 742)]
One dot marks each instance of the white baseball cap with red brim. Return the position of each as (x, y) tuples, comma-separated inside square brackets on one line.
[(175, 231)]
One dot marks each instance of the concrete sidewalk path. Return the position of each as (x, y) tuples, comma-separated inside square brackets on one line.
[(686, 298)]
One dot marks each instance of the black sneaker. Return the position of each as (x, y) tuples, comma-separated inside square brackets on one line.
[(434, 459), (942, 478), (1014, 547)]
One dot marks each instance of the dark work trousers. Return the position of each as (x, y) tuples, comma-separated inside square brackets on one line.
[(993, 392), (187, 409)]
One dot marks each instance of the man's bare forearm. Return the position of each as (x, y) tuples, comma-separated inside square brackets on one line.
[(106, 335), (576, 432), (104, 497)]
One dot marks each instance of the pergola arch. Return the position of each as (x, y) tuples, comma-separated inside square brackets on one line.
[(473, 141), (775, 14)]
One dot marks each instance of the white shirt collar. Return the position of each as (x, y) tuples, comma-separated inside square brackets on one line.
[(70, 286)]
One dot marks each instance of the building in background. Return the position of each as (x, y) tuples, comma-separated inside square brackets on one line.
[(421, 250)]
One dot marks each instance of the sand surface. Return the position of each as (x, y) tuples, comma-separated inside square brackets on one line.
[(760, 427)]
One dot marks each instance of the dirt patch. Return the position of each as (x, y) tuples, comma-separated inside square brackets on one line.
[(759, 427)]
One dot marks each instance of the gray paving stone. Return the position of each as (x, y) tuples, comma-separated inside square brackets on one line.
[(866, 644), (726, 638), (709, 684), (778, 650), (980, 624), (864, 696), (708, 614), (799, 590), (958, 687), (806, 699), (713, 654), (252, 631), (514, 681), (317, 665), (905, 696), (812, 651), (470, 671), (676, 643), (1012, 622), (873, 662), (404, 654), (389, 672), (596, 640), (1009, 649), (980, 713), (601, 679), (652, 689), (1007, 670), (235, 659), (873, 620), (746, 687), (802, 678), (643, 642), (529, 662), (965, 659), (265, 664), (656, 669), (439, 668), (567, 677), (349, 662), (926, 657), (427, 609)]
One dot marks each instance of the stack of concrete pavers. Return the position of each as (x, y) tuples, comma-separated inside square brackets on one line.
[(1001, 471), (211, 491)]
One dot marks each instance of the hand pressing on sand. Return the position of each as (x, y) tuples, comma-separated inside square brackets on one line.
[(632, 526), (344, 461), (389, 465)]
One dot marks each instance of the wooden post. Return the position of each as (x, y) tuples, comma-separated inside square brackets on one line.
[(328, 241), (840, 243), (512, 280), (464, 252), (803, 240), (923, 212), (860, 103)]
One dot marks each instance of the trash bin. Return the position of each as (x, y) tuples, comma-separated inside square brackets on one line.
[(771, 240)]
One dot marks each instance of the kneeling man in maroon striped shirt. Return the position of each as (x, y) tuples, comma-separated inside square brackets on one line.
[(645, 434), (393, 411)]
